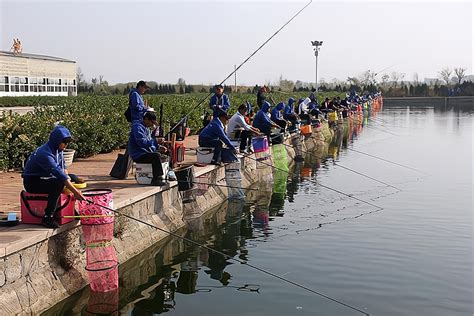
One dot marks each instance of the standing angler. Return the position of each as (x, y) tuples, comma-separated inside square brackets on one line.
[(136, 104), (219, 101)]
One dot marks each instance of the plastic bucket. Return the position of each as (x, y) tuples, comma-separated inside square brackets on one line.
[(204, 154), (260, 144), (332, 116), (306, 130), (98, 215), (185, 177)]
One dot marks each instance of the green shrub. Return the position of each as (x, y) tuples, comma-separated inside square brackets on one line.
[(97, 123)]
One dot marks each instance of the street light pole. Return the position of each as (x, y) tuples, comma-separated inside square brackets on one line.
[(317, 45)]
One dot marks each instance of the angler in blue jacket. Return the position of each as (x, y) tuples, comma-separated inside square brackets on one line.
[(45, 173), (277, 116), (136, 102), (213, 135), (142, 146), (219, 101), (262, 121)]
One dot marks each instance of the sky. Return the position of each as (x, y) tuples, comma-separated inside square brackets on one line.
[(201, 41)]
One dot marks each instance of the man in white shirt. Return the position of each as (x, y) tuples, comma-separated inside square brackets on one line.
[(238, 128)]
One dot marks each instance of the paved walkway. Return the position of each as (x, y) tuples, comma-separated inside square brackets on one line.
[(95, 170)]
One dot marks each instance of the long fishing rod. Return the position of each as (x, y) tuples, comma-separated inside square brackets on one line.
[(243, 63), (317, 183), (386, 160), (231, 258), (218, 185), (344, 167)]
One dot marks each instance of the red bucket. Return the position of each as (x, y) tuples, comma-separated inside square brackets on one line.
[(93, 213)]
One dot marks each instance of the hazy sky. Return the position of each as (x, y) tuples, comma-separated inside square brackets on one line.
[(201, 41)]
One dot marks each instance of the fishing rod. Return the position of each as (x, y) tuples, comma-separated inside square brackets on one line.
[(227, 257), (243, 63), (317, 183), (386, 160), (344, 167), (218, 185)]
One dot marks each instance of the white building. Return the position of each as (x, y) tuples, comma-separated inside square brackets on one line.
[(29, 74)]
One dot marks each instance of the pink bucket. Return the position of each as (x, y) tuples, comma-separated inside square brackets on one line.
[(260, 144), (98, 215)]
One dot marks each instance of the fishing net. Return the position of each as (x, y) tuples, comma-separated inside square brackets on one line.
[(93, 213), (102, 266), (97, 233), (103, 303)]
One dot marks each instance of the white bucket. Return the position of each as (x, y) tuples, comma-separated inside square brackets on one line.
[(144, 172), (204, 154), (68, 155)]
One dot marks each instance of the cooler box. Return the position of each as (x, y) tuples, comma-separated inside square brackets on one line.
[(178, 152), (33, 205), (204, 154), (144, 172)]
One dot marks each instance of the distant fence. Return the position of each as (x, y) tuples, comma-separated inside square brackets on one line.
[(446, 102)]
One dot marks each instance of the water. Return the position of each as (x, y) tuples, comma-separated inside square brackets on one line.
[(413, 257)]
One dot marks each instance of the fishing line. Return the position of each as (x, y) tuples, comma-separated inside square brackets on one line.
[(244, 62), (344, 167), (231, 258), (317, 183), (386, 160), (219, 185)]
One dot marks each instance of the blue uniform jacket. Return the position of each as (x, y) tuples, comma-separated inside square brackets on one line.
[(47, 160), (276, 112), (215, 130), (288, 111), (261, 120), (141, 141), (137, 106), (217, 102)]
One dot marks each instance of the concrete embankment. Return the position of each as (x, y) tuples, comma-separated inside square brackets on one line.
[(37, 274)]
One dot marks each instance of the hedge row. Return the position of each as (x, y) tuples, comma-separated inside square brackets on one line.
[(97, 123)]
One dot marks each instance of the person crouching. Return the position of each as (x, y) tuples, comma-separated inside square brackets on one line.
[(45, 174), (143, 146), (213, 135)]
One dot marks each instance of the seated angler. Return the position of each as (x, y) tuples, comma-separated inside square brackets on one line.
[(143, 146), (289, 113), (277, 116), (213, 135), (45, 174), (263, 122), (219, 101), (238, 128)]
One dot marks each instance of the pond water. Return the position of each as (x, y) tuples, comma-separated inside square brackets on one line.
[(411, 257)]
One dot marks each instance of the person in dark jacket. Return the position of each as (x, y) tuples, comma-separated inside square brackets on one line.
[(261, 96), (262, 121), (277, 116), (45, 173), (137, 105), (213, 135), (219, 101), (142, 146)]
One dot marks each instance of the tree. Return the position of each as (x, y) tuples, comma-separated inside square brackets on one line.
[(445, 75), (460, 74)]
